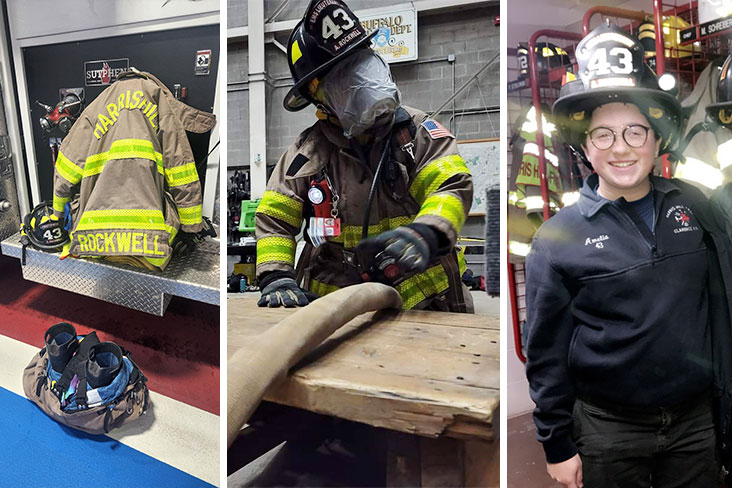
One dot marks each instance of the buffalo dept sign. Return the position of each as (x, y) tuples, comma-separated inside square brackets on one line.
[(396, 40)]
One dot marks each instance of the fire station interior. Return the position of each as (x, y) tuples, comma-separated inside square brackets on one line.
[(454, 77), (51, 57), (554, 29)]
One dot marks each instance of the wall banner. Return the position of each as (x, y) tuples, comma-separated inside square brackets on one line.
[(397, 38)]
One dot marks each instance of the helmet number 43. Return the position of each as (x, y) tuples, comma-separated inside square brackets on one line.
[(54, 233), (331, 29), (620, 63)]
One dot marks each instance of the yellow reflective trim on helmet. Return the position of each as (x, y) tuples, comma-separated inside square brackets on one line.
[(59, 203), (432, 176), (123, 149), (276, 249), (281, 207), (655, 112), (418, 288), (351, 234), (577, 115), (321, 289), (68, 170), (295, 54), (190, 215), (181, 175), (725, 116), (447, 206)]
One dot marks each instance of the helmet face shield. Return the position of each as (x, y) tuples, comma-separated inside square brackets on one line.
[(360, 91)]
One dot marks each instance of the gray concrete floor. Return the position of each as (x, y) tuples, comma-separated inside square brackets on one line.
[(525, 456)]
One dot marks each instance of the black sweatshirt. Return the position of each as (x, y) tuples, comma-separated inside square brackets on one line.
[(616, 313)]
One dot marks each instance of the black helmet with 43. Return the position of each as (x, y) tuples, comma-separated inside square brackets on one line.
[(611, 69)]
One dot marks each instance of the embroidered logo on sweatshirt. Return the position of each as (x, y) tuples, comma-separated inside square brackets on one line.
[(596, 241), (681, 215)]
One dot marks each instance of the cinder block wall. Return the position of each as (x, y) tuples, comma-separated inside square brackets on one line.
[(468, 34)]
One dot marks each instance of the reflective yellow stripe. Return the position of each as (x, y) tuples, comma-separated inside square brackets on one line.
[(123, 149), (281, 207), (128, 219), (68, 170), (529, 174), (413, 290), (59, 203), (321, 289), (448, 207), (155, 261), (351, 234), (418, 288), (461, 260), (190, 215), (435, 174), (276, 250), (181, 175)]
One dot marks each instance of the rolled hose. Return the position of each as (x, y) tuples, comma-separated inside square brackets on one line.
[(251, 371)]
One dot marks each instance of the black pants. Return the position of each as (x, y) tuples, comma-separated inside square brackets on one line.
[(659, 448)]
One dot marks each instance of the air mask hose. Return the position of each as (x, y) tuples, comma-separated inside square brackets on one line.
[(374, 185)]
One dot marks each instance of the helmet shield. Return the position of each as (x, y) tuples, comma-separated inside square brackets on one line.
[(612, 69), (328, 32)]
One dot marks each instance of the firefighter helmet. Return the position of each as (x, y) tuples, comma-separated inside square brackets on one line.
[(721, 111), (611, 69), (328, 32), (672, 27), (549, 56), (44, 230)]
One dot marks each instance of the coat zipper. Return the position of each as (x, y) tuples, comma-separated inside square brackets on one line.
[(653, 247)]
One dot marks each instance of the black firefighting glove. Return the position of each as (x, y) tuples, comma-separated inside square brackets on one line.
[(279, 289), (186, 242), (412, 246)]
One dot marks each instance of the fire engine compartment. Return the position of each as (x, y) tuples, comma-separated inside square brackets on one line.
[(49, 64)]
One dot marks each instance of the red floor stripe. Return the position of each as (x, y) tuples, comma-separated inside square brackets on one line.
[(179, 352)]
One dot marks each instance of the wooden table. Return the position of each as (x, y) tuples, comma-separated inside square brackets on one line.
[(432, 374)]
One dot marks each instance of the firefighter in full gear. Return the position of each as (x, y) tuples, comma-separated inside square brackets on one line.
[(125, 176), (380, 186)]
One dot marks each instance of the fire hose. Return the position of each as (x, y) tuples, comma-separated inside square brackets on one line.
[(251, 371)]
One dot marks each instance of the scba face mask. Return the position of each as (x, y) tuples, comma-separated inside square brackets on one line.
[(359, 90)]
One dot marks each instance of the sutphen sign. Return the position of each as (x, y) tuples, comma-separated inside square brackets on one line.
[(396, 40), (104, 71)]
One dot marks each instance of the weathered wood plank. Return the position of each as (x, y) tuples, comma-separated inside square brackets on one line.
[(426, 373)]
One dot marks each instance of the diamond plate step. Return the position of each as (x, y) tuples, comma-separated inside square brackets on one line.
[(194, 276)]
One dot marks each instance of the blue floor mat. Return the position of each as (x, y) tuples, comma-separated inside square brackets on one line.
[(35, 452)]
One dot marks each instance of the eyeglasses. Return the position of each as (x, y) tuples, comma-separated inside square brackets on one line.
[(634, 135)]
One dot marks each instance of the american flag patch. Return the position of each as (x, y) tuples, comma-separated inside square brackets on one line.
[(435, 130)]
